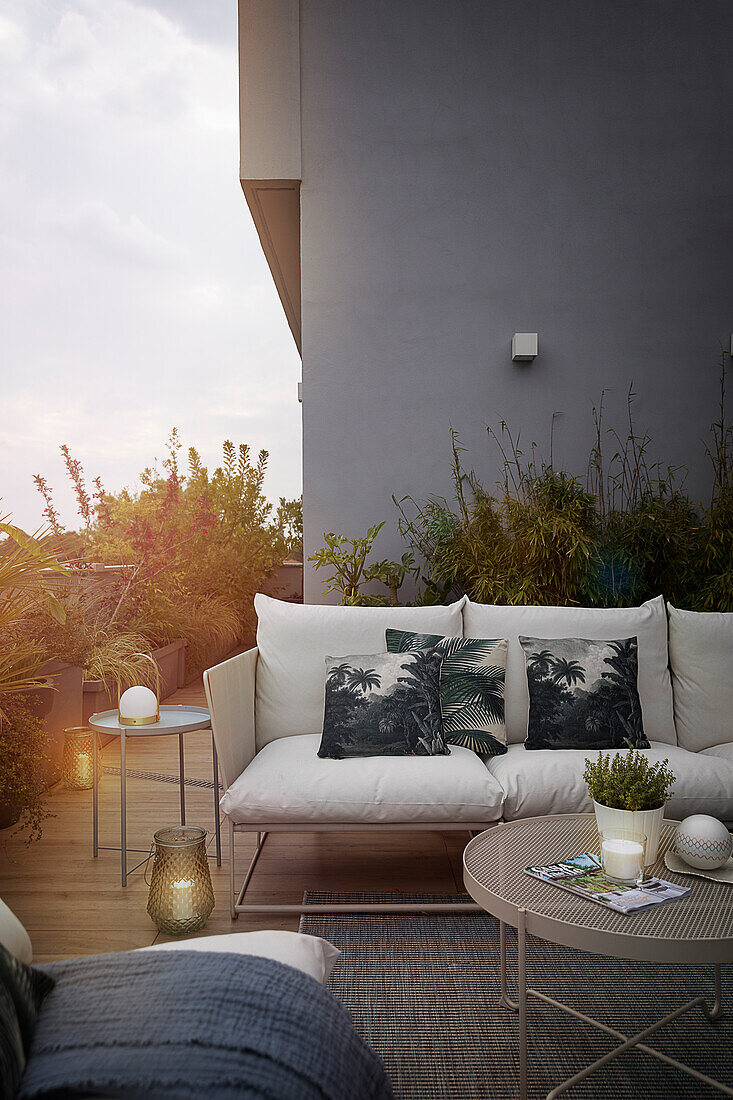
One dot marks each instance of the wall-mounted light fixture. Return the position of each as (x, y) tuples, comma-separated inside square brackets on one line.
[(524, 347)]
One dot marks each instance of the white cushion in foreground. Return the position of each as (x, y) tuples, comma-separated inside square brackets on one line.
[(13, 935), (310, 954), (288, 782), (550, 781)]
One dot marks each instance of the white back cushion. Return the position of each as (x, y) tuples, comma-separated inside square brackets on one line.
[(648, 623), (701, 659), (13, 935), (294, 640)]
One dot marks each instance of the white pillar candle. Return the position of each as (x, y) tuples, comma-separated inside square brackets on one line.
[(622, 859), (85, 768), (181, 899)]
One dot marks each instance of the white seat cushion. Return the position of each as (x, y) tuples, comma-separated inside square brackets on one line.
[(288, 782), (701, 660), (725, 750), (550, 781), (310, 954), (294, 640), (647, 623)]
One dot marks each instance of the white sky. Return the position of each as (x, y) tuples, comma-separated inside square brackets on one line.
[(133, 292)]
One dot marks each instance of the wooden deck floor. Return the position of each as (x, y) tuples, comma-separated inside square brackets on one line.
[(72, 904)]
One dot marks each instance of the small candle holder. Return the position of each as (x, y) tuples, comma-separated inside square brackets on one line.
[(623, 856), (181, 895), (77, 761)]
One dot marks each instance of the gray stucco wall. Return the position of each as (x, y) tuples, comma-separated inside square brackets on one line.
[(478, 168)]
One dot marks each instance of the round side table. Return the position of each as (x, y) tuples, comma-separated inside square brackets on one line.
[(174, 720)]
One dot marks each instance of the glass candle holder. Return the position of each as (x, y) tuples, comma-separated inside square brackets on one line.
[(77, 761), (622, 856), (181, 896)]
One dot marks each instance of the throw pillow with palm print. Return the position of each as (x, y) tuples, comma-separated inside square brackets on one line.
[(383, 704), (471, 687), (583, 694)]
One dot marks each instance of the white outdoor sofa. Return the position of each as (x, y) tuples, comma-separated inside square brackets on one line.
[(267, 711)]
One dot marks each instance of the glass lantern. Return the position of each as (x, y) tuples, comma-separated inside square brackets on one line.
[(181, 895), (77, 762)]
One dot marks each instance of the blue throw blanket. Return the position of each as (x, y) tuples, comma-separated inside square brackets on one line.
[(185, 1024)]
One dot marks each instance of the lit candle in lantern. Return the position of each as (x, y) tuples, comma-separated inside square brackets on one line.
[(182, 899), (622, 859)]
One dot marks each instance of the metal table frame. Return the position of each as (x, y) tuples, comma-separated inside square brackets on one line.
[(198, 719), (526, 920)]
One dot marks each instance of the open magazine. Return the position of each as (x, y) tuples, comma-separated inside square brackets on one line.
[(584, 875)]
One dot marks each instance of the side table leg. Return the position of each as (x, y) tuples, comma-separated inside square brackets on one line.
[(217, 823), (522, 1000), (123, 806), (95, 795), (182, 778)]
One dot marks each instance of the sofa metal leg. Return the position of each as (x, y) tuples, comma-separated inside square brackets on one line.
[(238, 905), (232, 896)]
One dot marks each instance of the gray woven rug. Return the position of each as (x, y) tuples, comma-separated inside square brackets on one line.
[(423, 992)]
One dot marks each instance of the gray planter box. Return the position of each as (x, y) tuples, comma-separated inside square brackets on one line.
[(65, 689)]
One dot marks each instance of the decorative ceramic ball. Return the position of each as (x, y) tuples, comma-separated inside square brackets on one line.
[(703, 842)]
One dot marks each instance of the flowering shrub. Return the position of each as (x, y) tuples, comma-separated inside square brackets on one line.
[(195, 546)]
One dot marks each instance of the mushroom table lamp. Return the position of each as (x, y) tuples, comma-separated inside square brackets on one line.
[(139, 705)]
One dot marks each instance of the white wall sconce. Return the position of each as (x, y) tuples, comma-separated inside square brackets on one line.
[(524, 347)]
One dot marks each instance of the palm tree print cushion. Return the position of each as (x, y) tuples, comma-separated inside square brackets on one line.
[(583, 694), (471, 687), (384, 704)]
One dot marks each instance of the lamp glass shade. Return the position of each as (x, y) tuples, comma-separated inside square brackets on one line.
[(77, 761), (138, 706), (181, 896)]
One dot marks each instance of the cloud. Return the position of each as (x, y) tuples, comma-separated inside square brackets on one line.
[(133, 291), (96, 225)]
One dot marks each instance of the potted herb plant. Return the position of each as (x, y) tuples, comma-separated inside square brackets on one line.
[(629, 794)]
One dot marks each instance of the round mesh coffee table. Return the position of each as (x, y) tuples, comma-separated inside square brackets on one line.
[(696, 929)]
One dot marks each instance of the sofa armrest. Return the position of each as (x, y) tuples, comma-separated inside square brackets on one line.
[(230, 694)]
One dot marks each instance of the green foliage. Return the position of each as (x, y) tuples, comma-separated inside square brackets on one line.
[(347, 558), (627, 781), (627, 535), (195, 547), (21, 773), (289, 521), (25, 564)]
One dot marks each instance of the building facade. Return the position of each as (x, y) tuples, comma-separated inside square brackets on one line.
[(429, 177)]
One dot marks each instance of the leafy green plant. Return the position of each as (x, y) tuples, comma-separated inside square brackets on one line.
[(628, 781), (25, 564), (347, 558), (626, 535), (21, 773)]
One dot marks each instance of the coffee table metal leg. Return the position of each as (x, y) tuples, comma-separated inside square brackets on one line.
[(522, 1000), (182, 778)]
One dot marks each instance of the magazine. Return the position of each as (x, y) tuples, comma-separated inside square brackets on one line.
[(583, 875)]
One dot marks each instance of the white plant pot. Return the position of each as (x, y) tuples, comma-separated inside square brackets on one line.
[(625, 822)]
